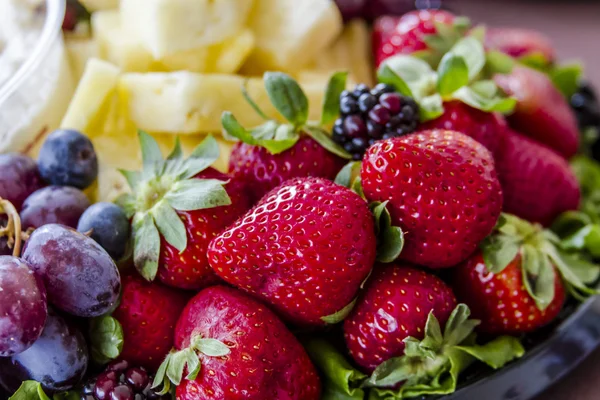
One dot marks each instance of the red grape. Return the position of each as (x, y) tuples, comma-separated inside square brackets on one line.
[(80, 277), (352, 8), (54, 205), (19, 177), (58, 359), (22, 306)]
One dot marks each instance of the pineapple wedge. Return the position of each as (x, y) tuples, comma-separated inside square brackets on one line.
[(126, 51), (80, 51), (165, 27), (351, 52), (188, 103), (291, 33), (95, 5)]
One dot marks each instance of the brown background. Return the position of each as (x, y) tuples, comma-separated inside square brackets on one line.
[(574, 27)]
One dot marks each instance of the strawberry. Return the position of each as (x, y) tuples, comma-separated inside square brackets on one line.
[(407, 34), (148, 313), (265, 171), (408, 332), (394, 305), (442, 190), (541, 112), (190, 269), (537, 183), (295, 248), (517, 283), (273, 152), (486, 128), (177, 207), (236, 348), (518, 42)]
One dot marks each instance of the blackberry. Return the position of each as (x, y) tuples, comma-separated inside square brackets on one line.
[(586, 105), (369, 115), (120, 381)]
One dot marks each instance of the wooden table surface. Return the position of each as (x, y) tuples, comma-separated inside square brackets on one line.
[(574, 27)]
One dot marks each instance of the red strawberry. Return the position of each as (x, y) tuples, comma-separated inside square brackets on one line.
[(148, 313), (486, 128), (178, 206), (537, 183), (394, 306), (190, 269), (542, 112), (442, 191), (518, 42), (406, 34), (265, 171), (501, 301), (305, 249), (264, 360)]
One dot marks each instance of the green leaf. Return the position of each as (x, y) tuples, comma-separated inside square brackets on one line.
[(177, 365), (202, 157), (177, 152), (569, 224), (235, 129), (331, 101), (459, 326), (278, 146), (391, 372), (197, 194), (485, 88), (586, 238), (389, 77), (321, 137), (433, 339), (535, 60), (29, 390), (390, 239), (340, 315), (587, 172), (472, 52), (251, 101), (347, 174), (287, 97), (193, 365), (152, 158), (106, 339), (127, 202), (566, 78), (431, 107), (146, 247), (169, 225), (357, 187), (161, 374), (473, 98), (133, 178), (497, 353), (499, 63), (69, 395), (499, 250), (340, 380), (210, 347), (538, 276), (416, 74), (575, 272), (452, 74)]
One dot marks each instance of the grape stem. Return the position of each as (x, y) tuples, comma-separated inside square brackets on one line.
[(14, 222)]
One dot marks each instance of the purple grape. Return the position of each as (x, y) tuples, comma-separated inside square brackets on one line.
[(80, 277), (19, 177), (54, 205), (58, 359), (23, 308)]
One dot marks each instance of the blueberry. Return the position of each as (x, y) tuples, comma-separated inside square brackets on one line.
[(67, 158), (109, 226)]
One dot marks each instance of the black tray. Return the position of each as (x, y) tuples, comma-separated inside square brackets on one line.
[(551, 354)]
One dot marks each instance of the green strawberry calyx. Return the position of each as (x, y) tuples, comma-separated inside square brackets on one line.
[(163, 187), (458, 77), (106, 339), (171, 371), (431, 366), (291, 102), (541, 252), (446, 35), (390, 238), (33, 390)]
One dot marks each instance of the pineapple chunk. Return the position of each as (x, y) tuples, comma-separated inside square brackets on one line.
[(94, 5), (351, 52), (290, 33), (168, 26), (187, 103), (126, 52), (80, 51)]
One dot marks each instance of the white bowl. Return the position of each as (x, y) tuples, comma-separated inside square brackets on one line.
[(34, 99)]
